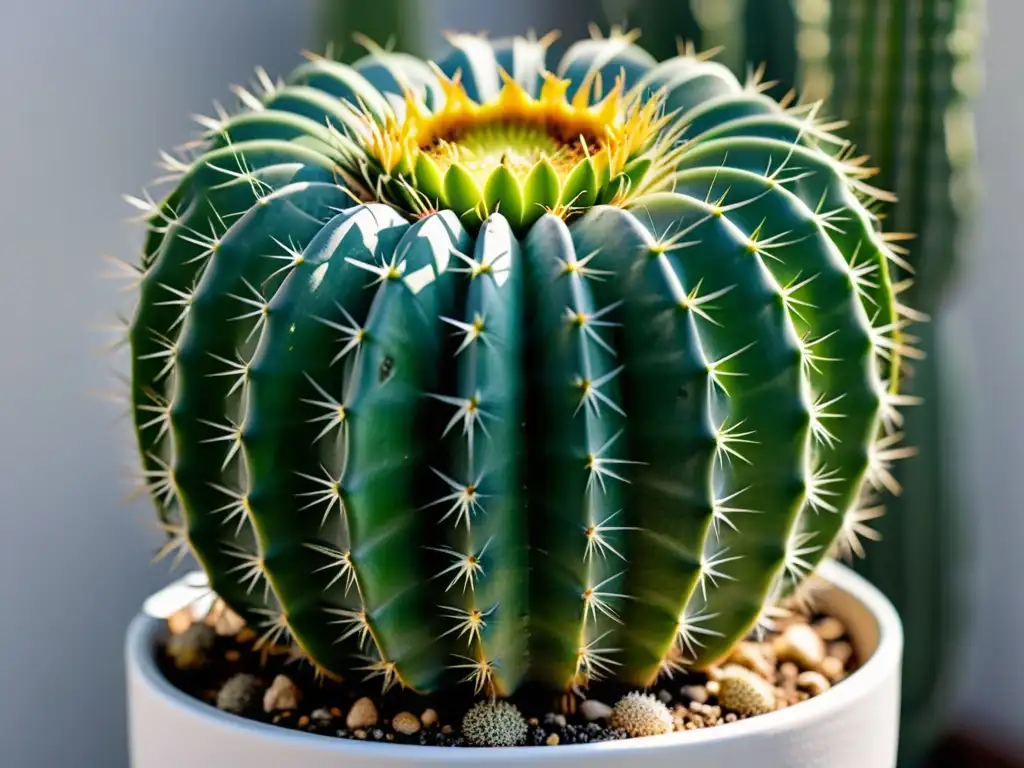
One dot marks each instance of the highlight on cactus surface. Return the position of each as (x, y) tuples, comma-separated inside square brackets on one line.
[(504, 368)]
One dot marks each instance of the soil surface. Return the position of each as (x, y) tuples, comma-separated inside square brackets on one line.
[(216, 659)]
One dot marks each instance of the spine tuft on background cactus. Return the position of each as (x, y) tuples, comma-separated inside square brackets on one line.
[(480, 373)]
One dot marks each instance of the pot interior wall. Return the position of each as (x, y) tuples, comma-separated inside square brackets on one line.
[(862, 626)]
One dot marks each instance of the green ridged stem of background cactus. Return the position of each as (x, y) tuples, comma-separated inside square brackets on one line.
[(905, 73), (479, 432)]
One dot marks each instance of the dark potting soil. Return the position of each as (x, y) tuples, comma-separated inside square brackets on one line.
[(805, 656)]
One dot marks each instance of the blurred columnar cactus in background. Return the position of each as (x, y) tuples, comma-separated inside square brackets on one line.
[(902, 73), (394, 24)]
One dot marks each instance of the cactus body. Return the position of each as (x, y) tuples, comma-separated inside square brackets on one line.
[(483, 373)]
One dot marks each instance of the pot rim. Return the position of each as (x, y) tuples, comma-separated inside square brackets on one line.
[(144, 627)]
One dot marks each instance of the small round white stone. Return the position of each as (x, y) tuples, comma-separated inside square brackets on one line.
[(281, 695), (801, 644), (592, 710)]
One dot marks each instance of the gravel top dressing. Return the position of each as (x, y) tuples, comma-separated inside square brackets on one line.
[(216, 659)]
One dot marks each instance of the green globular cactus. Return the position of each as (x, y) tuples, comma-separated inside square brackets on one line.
[(483, 373)]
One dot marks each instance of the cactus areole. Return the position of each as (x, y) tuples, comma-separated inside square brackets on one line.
[(476, 372)]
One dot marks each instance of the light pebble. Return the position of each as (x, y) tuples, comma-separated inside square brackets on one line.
[(428, 718), (751, 656), (814, 683), (406, 723), (592, 710), (281, 695), (801, 644), (363, 715)]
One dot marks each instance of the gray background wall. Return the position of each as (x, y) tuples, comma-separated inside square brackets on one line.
[(90, 92), (988, 317)]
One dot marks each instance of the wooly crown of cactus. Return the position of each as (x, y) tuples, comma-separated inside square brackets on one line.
[(479, 373)]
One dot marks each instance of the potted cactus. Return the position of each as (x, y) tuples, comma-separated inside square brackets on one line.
[(499, 380)]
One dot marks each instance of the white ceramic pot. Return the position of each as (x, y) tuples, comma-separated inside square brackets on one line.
[(853, 725)]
